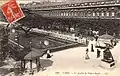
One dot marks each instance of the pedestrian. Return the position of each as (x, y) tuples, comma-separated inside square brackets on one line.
[(98, 53), (49, 54), (111, 42), (115, 43), (92, 50), (96, 38)]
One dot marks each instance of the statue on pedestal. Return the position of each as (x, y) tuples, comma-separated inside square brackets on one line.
[(107, 56)]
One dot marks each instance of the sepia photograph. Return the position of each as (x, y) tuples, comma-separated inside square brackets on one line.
[(59, 37)]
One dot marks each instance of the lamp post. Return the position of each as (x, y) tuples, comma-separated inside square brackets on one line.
[(31, 56), (16, 38), (18, 47)]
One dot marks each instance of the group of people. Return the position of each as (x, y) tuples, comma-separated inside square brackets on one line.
[(93, 47)]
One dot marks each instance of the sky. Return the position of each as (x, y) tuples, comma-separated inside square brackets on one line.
[(26, 1), (23, 1)]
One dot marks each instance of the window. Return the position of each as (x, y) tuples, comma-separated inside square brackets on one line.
[(113, 8), (113, 13), (56, 13), (89, 13), (102, 2), (102, 14), (93, 13), (98, 14), (93, 3), (72, 5), (76, 4), (89, 3), (71, 13), (75, 14), (107, 14), (66, 13), (86, 4), (82, 4), (61, 14), (81, 14)]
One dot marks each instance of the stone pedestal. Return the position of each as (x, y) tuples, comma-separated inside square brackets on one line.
[(107, 64)]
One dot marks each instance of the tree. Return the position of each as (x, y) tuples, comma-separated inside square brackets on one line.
[(4, 51), (2, 17), (31, 20)]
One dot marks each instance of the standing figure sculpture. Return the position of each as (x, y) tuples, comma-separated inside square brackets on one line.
[(86, 55)]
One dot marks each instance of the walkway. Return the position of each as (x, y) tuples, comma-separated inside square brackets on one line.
[(71, 61)]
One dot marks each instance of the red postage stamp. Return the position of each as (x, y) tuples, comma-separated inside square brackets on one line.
[(12, 11)]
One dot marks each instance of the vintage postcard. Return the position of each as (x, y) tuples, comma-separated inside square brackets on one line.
[(59, 37)]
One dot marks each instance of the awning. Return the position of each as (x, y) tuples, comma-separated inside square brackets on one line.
[(35, 53)]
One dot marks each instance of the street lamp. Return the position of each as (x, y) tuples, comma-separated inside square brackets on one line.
[(13, 30), (16, 37), (46, 42)]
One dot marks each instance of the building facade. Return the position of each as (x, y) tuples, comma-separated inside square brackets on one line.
[(97, 9)]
